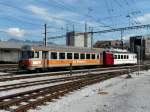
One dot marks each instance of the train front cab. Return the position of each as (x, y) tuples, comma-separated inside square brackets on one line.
[(30, 60), (108, 59)]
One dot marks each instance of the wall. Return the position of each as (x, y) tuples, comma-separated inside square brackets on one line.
[(9, 55)]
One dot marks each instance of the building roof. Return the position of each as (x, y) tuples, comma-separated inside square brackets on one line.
[(12, 45), (9, 45)]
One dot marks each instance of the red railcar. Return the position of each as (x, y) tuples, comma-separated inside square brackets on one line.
[(108, 58)]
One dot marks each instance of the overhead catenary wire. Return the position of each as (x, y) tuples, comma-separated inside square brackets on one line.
[(61, 4), (109, 10)]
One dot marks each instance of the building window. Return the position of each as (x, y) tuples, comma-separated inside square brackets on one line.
[(53, 55), (82, 56), (87, 56), (61, 55), (93, 56), (7, 51), (76, 55), (69, 55)]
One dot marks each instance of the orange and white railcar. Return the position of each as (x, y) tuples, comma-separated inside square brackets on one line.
[(38, 57)]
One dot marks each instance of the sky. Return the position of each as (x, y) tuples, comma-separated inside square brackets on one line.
[(25, 19)]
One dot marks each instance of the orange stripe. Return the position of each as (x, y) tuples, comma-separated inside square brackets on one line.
[(73, 62), (59, 62)]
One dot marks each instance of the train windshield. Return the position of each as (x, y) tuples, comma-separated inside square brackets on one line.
[(29, 54)]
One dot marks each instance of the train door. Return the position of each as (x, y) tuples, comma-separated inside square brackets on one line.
[(45, 59)]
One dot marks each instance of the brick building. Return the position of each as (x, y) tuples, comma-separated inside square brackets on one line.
[(108, 44)]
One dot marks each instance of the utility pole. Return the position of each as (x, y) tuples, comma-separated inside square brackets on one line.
[(85, 35), (122, 39), (45, 35), (73, 35), (139, 59)]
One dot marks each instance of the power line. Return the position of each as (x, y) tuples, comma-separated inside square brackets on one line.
[(118, 3), (109, 10), (61, 4), (127, 3), (123, 29), (21, 20), (56, 37)]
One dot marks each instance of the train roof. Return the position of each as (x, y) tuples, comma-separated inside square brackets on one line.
[(123, 53), (120, 51), (61, 48)]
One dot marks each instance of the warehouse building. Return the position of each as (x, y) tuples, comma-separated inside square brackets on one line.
[(9, 52)]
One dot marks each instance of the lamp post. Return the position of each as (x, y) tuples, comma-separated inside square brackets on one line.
[(139, 58)]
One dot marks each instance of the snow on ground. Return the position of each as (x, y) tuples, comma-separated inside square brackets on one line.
[(113, 95)]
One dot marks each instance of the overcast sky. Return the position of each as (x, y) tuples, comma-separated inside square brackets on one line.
[(24, 19)]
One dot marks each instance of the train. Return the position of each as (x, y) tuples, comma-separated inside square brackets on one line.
[(45, 57)]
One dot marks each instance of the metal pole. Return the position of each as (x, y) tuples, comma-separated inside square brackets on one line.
[(91, 38), (139, 58), (122, 39), (73, 36), (45, 38), (85, 35), (70, 68)]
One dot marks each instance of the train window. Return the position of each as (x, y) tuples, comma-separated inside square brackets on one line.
[(61, 55), (30, 54), (87, 56), (69, 55), (118, 56), (97, 56), (76, 55), (82, 56), (24, 54), (121, 56), (127, 57), (36, 54), (93, 56), (53, 55), (115, 56)]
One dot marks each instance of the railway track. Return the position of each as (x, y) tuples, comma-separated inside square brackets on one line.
[(10, 77), (47, 81), (23, 101), (8, 67)]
